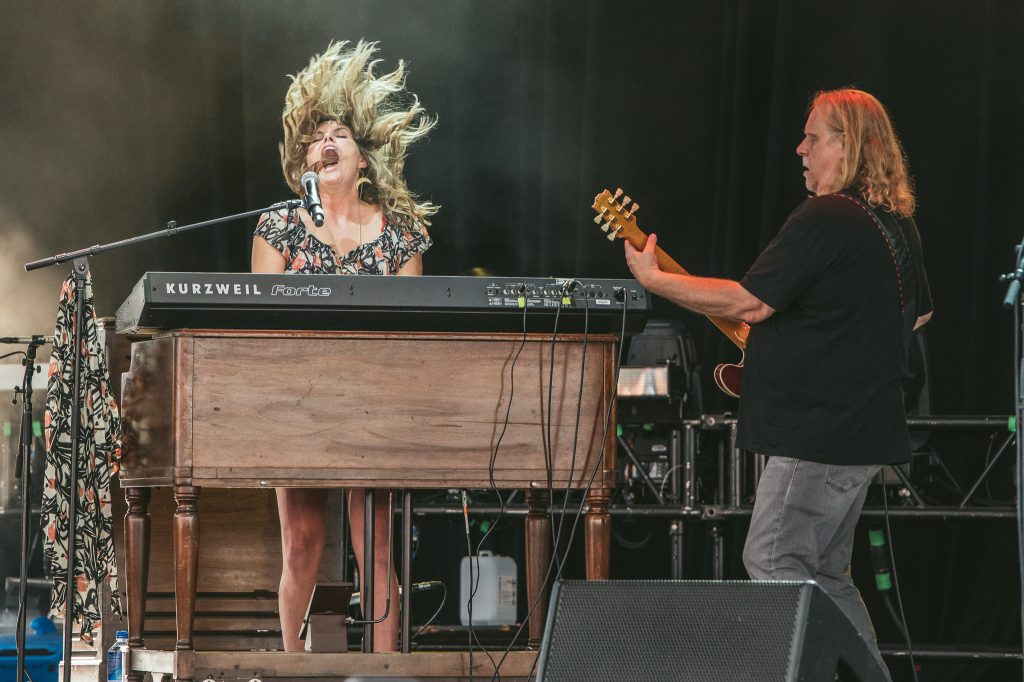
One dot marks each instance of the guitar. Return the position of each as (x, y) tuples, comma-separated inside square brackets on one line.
[(615, 215)]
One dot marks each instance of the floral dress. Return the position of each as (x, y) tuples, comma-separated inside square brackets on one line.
[(305, 254), (99, 451)]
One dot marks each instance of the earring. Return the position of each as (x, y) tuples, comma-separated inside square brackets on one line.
[(363, 180)]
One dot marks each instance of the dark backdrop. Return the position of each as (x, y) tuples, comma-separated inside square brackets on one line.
[(119, 116)]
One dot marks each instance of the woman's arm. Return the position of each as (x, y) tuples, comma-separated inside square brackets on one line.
[(413, 266), (265, 258)]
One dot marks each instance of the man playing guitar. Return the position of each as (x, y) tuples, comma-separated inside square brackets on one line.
[(831, 303)]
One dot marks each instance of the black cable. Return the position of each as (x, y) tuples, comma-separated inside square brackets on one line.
[(497, 492), (556, 535), (554, 553), (597, 463), (548, 461), (579, 512), (556, 538), (604, 436), (526, 621), (895, 616), (549, 456), (474, 585), (576, 430), (567, 289), (444, 598), (896, 584), (16, 352), (472, 591)]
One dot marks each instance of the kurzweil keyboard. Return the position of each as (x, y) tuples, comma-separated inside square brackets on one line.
[(207, 300)]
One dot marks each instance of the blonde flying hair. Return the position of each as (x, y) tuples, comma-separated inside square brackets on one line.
[(874, 164), (340, 85)]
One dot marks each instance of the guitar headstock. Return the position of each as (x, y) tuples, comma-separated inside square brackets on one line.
[(615, 216)]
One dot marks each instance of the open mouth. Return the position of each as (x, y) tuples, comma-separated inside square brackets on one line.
[(329, 158)]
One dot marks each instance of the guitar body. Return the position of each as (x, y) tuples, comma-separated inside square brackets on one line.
[(729, 378), (615, 216)]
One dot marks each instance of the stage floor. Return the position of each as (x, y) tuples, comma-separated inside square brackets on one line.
[(277, 666)]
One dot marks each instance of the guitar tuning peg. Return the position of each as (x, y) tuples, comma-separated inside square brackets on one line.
[(632, 210), (608, 225), (625, 201), (618, 193), (598, 218)]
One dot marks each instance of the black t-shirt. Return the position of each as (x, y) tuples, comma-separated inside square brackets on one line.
[(822, 377)]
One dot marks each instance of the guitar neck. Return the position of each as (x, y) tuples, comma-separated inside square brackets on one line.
[(735, 330)]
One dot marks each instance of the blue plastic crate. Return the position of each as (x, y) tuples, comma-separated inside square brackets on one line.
[(42, 652)]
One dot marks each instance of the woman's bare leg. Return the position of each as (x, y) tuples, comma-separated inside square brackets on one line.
[(303, 534)]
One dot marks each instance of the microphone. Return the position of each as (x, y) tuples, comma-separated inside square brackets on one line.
[(34, 340), (310, 184)]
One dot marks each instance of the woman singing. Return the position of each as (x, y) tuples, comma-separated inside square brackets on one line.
[(352, 127)]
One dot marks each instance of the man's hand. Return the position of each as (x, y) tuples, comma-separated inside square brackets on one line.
[(643, 264)]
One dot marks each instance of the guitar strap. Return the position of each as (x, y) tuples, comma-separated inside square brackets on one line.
[(903, 263)]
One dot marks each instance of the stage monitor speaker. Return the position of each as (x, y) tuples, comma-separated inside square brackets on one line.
[(700, 631)]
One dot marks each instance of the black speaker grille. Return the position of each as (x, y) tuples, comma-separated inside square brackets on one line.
[(703, 631)]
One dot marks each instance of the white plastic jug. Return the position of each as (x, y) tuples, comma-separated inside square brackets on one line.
[(495, 600)]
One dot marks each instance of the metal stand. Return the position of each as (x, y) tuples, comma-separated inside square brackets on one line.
[(23, 470), (171, 230), (640, 470), (406, 571), (984, 474), (80, 267), (682, 493), (1012, 299), (366, 591)]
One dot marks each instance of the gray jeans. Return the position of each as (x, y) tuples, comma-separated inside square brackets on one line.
[(802, 529)]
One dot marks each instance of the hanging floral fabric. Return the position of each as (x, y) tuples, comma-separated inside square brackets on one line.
[(98, 456)]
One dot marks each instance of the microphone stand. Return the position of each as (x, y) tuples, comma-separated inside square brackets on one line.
[(24, 459), (80, 266), (1013, 299)]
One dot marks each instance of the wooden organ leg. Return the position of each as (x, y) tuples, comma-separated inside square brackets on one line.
[(538, 557), (598, 530), (186, 571), (136, 552)]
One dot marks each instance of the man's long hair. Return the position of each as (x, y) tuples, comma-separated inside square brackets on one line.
[(340, 85), (874, 164)]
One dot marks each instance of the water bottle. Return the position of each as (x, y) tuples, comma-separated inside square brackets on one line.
[(117, 658)]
